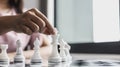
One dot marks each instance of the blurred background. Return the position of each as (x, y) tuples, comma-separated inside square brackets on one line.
[(89, 26)]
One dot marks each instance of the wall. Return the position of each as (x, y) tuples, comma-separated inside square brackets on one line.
[(31, 4), (81, 21), (106, 20), (74, 20)]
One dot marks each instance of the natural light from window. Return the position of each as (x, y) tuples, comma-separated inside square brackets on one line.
[(106, 20)]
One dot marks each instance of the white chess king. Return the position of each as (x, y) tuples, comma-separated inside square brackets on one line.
[(36, 58), (4, 59), (55, 57)]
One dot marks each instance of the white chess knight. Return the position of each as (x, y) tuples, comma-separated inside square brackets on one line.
[(55, 56), (62, 50), (36, 58), (67, 51), (19, 57), (4, 59)]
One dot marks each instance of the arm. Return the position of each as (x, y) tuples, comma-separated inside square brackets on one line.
[(6, 23)]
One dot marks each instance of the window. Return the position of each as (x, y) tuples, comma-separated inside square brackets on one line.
[(90, 26)]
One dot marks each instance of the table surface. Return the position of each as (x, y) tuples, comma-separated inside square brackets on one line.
[(77, 63), (81, 60)]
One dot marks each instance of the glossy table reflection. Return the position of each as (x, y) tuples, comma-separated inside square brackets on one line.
[(77, 63), (81, 60)]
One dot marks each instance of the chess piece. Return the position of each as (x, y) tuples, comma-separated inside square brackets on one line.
[(4, 59), (36, 58), (54, 57), (19, 57), (67, 51), (62, 51)]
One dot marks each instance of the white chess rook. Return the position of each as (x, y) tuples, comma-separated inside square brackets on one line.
[(62, 51), (36, 58), (4, 59), (19, 57), (54, 57)]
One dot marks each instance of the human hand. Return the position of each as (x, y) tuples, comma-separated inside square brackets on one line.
[(32, 21)]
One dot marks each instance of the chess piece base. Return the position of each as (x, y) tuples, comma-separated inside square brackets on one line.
[(35, 61), (4, 62), (55, 60)]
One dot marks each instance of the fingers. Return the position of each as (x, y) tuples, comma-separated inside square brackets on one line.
[(34, 21), (26, 30), (46, 31), (47, 24), (34, 18), (32, 26)]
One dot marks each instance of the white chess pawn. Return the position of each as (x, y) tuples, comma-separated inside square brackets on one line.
[(19, 57), (4, 59), (62, 51), (54, 57), (67, 51), (36, 58)]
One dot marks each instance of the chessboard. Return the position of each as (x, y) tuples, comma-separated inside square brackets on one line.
[(77, 63), (96, 63), (19, 59), (61, 58)]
